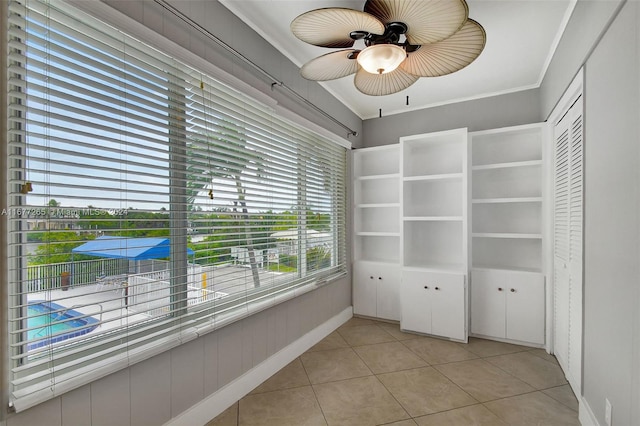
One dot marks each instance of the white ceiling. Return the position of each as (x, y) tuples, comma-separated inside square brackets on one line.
[(521, 38)]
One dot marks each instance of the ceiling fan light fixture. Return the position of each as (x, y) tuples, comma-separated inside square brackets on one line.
[(381, 58)]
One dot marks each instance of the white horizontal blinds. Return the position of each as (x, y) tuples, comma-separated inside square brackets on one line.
[(172, 201), (92, 112), (268, 198)]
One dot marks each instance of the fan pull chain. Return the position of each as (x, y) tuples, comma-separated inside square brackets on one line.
[(407, 100), (380, 113)]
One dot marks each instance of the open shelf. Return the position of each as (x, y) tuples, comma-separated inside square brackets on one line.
[(433, 219), (507, 218), (521, 182), (376, 184), (507, 200), (507, 145), (433, 198), (442, 176), (436, 267), (507, 224), (377, 191), (377, 247), (379, 177), (440, 153), (505, 235), (531, 163), (433, 243), (378, 219), (372, 162), (507, 253), (510, 268)]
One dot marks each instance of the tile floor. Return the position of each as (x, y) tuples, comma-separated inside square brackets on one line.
[(370, 373)]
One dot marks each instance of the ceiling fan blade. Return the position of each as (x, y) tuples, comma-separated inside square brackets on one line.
[(428, 21), (383, 84), (447, 56), (330, 27), (330, 66)]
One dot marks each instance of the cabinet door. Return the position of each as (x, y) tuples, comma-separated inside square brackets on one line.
[(525, 307), (415, 302), (448, 305), (388, 291), (488, 298), (364, 289)]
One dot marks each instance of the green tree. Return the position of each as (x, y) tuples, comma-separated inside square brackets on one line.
[(56, 248), (237, 162)]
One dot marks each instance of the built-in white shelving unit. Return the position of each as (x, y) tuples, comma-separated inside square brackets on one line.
[(376, 282), (433, 202), (450, 231), (507, 233)]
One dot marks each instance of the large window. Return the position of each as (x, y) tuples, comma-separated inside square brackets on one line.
[(149, 203)]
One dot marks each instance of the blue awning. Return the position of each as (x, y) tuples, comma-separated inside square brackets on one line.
[(127, 248)]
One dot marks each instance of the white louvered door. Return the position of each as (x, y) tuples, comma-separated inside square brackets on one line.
[(568, 240), (561, 242)]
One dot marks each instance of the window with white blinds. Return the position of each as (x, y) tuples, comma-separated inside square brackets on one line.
[(149, 203)]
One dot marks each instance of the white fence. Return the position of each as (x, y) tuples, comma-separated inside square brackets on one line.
[(150, 293), (83, 272)]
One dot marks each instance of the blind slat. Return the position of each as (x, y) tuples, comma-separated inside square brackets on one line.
[(149, 203)]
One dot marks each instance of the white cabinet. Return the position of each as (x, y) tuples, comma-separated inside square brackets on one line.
[(433, 234), (376, 290), (376, 243), (508, 305), (434, 206), (434, 303), (508, 221)]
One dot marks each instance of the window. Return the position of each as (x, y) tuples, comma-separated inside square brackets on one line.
[(149, 202)]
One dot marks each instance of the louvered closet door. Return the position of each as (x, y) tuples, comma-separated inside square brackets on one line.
[(568, 223)]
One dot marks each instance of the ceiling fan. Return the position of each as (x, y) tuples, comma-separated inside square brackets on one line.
[(403, 41)]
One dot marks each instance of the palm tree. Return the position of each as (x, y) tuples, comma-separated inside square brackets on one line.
[(225, 154)]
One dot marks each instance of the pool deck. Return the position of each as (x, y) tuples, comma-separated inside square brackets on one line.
[(107, 303)]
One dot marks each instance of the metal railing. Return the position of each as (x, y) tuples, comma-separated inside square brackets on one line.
[(83, 272)]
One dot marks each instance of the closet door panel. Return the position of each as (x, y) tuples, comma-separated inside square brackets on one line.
[(568, 242), (561, 242)]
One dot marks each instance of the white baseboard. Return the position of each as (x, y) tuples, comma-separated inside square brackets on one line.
[(219, 401), (585, 415)]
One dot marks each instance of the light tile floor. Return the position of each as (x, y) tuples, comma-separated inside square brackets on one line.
[(370, 373)]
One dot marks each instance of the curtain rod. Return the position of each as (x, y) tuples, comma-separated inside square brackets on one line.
[(234, 52)]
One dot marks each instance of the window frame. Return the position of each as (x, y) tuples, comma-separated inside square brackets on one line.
[(187, 325)]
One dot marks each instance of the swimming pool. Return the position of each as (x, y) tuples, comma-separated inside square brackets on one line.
[(50, 323)]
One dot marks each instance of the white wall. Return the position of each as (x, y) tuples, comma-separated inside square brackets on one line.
[(589, 20), (611, 359), (481, 114)]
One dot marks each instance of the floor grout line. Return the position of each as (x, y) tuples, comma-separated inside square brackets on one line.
[(400, 369)]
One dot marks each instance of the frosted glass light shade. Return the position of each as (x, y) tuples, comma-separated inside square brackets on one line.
[(381, 58)]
